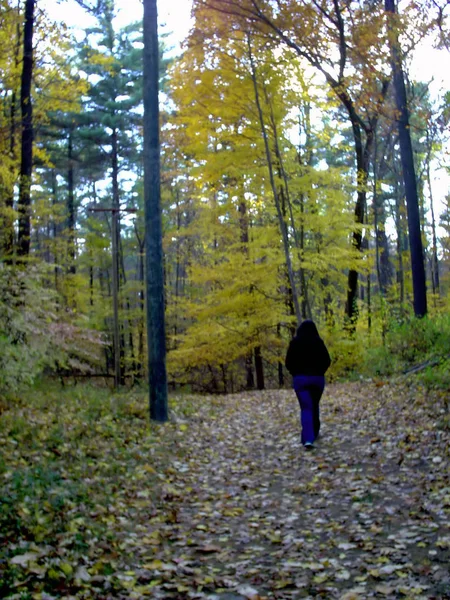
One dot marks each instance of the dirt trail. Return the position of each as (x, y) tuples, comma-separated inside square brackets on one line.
[(245, 512)]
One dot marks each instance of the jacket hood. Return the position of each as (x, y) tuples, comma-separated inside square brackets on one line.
[(307, 329)]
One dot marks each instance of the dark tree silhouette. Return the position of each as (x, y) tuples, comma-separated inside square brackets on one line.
[(409, 174), (26, 163), (153, 227)]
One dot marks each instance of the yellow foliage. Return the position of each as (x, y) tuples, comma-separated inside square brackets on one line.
[(236, 299)]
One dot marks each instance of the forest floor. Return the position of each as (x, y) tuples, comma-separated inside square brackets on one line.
[(223, 502)]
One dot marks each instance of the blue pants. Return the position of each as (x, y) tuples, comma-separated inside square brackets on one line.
[(309, 390)]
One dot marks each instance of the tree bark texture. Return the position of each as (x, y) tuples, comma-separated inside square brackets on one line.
[(153, 226), (8, 219), (26, 162), (71, 218), (409, 175), (243, 224), (259, 368)]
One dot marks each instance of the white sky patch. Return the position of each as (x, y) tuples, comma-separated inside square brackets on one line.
[(174, 16)]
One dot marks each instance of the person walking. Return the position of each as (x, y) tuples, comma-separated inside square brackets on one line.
[(307, 360)]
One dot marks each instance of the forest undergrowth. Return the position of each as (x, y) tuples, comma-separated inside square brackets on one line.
[(223, 502)]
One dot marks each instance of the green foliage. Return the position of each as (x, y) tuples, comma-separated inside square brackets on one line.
[(437, 377), (53, 482), (26, 311), (412, 344), (33, 332), (345, 354), (419, 339)]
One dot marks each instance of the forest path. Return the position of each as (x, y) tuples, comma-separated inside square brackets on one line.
[(245, 512)]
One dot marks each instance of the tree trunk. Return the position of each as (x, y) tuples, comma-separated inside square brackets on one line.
[(434, 259), (8, 239), (281, 221), (91, 279), (26, 163), (71, 205), (285, 198), (362, 153), (399, 227), (308, 163), (115, 298), (383, 264), (141, 304), (259, 368), (55, 227), (243, 224), (127, 309), (178, 262), (115, 216), (8, 221), (280, 364), (409, 175), (153, 226), (7, 218)]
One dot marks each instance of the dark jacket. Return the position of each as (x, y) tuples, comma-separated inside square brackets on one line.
[(307, 353)]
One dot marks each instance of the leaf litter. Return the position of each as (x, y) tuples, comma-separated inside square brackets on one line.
[(223, 502)]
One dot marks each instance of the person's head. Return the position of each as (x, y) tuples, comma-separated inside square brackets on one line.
[(307, 329)]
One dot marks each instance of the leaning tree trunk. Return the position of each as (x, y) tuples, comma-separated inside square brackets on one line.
[(26, 163), (409, 175), (285, 201), (281, 221)]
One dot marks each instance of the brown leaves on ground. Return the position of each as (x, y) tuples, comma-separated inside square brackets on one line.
[(223, 502)]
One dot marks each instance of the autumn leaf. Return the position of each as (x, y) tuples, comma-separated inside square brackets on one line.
[(234, 505)]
